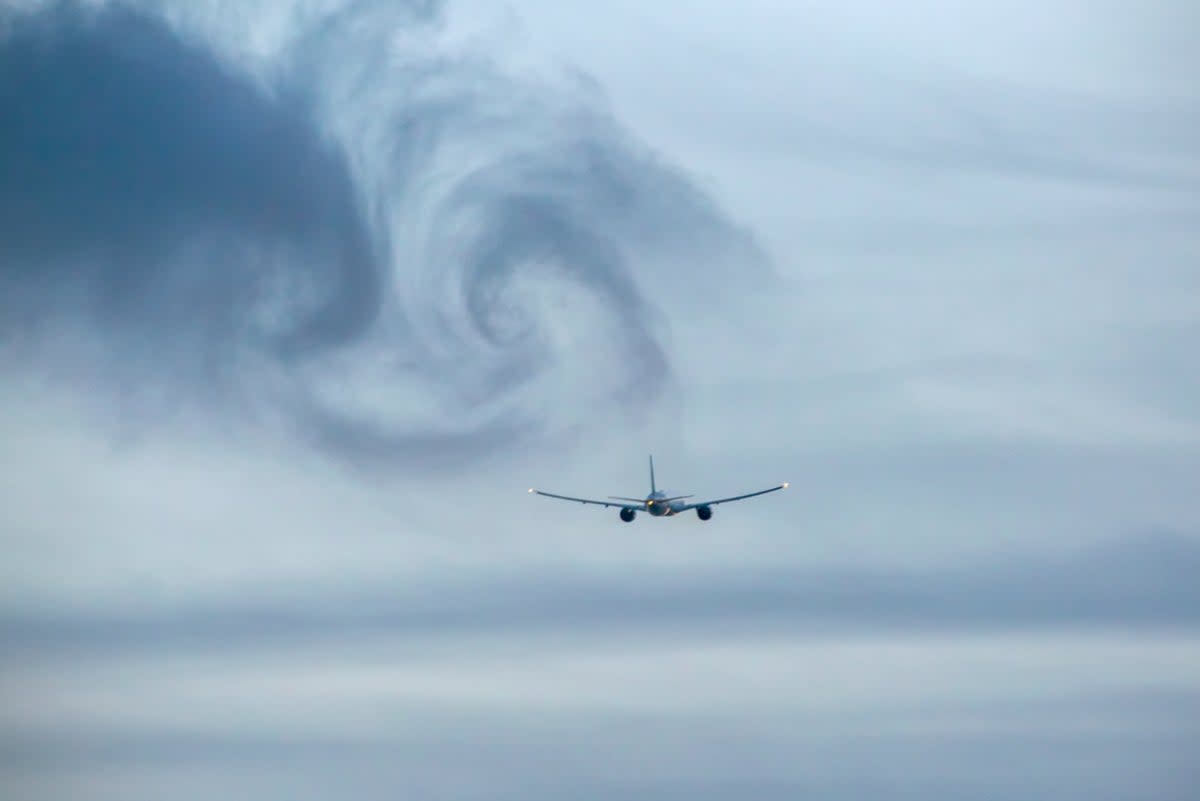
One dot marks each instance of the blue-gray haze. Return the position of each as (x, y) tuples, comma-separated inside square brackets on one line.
[(298, 298)]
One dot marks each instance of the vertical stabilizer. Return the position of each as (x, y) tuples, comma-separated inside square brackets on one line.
[(653, 488)]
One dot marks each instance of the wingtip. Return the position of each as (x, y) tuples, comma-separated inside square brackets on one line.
[(531, 489), (785, 484)]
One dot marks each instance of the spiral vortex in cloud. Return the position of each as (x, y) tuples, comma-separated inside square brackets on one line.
[(351, 226)]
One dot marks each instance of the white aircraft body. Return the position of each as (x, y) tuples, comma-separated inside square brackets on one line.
[(658, 503)]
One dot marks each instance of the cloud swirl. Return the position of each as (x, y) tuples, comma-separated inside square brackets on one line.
[(386, 244)]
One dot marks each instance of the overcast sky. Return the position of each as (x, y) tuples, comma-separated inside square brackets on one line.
[(298, 298)]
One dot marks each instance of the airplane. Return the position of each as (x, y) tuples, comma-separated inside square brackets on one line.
[(657, 503)]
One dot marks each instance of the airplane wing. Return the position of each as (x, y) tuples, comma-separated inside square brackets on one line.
[(630, 503), (784, 485)]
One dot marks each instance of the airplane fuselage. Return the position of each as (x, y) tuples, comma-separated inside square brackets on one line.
[(657, 506)]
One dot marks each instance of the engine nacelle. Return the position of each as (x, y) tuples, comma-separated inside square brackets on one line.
[(628, 514), (704, 512)]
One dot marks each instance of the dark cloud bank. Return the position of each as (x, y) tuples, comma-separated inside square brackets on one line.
[(173, 228)]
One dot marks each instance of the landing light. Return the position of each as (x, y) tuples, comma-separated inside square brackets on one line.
[(785, 486), (531, 489)]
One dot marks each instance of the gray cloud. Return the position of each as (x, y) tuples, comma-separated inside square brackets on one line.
[(695, 684), (980, 388), (539, 749), (1144, 581), (176, 226), (171, 197)]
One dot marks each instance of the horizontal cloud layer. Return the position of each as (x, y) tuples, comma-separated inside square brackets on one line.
[(1145, 581)]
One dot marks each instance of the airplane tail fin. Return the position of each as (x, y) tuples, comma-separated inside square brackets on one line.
[(653, 488)]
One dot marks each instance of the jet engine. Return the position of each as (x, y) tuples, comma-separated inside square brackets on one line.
[(628, 514), (704, 512)]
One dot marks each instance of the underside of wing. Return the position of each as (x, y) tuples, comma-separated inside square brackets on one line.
[(628, 503), (784, 485)]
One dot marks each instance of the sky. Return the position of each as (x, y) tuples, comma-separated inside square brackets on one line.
[(298, 297)]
